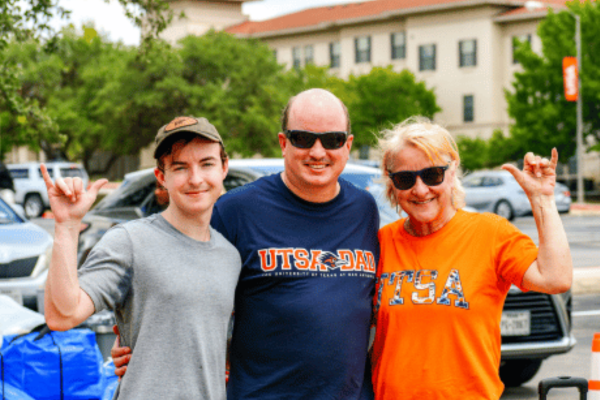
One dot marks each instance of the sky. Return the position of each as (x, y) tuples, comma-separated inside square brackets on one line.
[(109, 18)]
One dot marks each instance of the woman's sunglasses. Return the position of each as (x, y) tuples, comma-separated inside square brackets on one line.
[(404, 180), (306, 139)]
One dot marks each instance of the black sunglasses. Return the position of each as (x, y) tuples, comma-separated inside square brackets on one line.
[(432, 176), (306, 139)]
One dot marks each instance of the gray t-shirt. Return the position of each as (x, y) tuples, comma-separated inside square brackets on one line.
[(173, 298)]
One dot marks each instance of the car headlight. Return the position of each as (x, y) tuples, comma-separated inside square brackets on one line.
[(43, 262)]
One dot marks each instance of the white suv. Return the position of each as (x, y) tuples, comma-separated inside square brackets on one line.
[(30, 189)]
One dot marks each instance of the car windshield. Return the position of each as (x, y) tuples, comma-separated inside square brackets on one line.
[(7, 215), (131, 193), (71, 172)]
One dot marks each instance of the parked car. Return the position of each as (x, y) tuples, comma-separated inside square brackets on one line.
[(562, 194), (498, 192), (25, 251), (30, 189), (534, 325)]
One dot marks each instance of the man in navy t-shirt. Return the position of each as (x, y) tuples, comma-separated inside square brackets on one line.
[(309, 249)]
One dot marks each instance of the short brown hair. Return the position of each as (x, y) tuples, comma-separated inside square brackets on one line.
[(182, 138)]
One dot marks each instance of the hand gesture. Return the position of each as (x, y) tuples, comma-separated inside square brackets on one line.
[(538, 177), (68, 198)]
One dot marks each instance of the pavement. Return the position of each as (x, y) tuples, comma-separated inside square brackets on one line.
[(586, 280)]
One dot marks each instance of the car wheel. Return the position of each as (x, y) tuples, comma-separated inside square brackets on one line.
[(504, 209), (33, 206), (514, 373)]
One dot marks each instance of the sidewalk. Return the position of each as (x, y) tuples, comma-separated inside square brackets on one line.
[(586, 280), (585, 209)]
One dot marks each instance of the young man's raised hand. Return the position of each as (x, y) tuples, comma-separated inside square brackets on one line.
[(69, 200)]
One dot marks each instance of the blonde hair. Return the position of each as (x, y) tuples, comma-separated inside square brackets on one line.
[(435, 141)]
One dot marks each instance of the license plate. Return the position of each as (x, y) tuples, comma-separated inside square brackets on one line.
[(14, 294), (515, 323)]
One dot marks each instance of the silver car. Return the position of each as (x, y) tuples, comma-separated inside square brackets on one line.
[(25, 251), (498, 192)]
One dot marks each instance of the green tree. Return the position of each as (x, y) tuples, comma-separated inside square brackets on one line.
[(238, 85), (235, 83), (67, 83), (384, 97), (477, 153), (103, 96), (22, 118), (473, 153), (543, 118)]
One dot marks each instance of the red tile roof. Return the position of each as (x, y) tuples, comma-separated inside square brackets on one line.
[(313, 17)]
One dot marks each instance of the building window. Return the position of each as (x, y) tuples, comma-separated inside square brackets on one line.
[(468, 108), (467, 53), (308, 55), (335, 53), (275, 54), (362, 47), (398, 45), (297, 57), (427, 57), (515, 40)]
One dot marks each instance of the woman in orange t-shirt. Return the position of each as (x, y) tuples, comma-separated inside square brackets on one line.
[(444, 273)]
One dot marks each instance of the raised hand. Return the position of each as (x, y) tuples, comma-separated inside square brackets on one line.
[(68, 198), (538, 176)]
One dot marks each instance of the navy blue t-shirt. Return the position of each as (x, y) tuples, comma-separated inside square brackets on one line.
[(303, 302)]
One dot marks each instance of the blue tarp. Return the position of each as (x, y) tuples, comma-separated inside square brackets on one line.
[(54, 365)]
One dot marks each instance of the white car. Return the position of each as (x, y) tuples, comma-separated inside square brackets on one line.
[(30, 189)]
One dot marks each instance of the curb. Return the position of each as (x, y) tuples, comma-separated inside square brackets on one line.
[(586, 280), (585, 209)]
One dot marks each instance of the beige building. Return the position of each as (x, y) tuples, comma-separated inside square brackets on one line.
[(196, 17), (463, 49)]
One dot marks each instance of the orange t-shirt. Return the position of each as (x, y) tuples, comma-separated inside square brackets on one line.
[(438, 306)]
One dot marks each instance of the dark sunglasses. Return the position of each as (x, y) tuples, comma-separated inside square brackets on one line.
[(306, 139), (432, 176)]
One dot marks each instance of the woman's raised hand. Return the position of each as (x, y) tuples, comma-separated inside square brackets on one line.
[(68, 198), (538, 176)]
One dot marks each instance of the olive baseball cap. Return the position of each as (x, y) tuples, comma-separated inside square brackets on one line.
[(199, 126)]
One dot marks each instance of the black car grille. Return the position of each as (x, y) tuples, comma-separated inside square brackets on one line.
[(544, 322), (18, 268)]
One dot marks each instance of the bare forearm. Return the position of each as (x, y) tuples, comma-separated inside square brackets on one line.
[(554, 257), (63, 305)]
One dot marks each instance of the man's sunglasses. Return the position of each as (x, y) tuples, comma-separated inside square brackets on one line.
[(306, 139), (432, 176)]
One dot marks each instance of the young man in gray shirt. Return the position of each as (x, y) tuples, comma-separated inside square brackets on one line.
[(170, 277)]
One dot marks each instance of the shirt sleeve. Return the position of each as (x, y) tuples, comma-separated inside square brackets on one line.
[(514, 253), (107, 273), (218, 224)]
